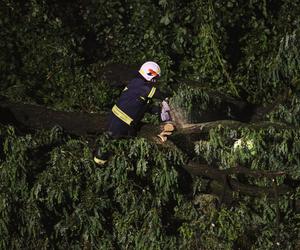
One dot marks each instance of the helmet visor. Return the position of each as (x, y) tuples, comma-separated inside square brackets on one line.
[(152, 73)]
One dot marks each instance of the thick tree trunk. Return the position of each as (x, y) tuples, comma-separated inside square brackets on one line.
[(34, 117)]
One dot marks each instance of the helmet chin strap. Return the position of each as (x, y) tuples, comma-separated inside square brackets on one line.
[(153, 80)]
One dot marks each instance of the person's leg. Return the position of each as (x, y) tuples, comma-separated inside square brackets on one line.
[(116, 130), (100, 155)]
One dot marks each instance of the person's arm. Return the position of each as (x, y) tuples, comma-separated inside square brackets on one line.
[(160, 95), (154, 110), (154, 92)]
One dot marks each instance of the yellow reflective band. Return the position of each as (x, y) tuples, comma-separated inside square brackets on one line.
[(142, 71), (125, 89), (121, 115), (151, 94), (99, 161), (143, 98)]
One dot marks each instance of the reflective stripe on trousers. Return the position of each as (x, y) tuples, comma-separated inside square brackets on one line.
[(121, 115)]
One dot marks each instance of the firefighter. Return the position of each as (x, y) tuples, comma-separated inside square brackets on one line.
[(134, 102)]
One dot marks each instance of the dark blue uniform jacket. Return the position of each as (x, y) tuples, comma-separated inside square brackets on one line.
[(131, 107)]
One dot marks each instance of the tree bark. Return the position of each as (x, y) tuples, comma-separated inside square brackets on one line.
[(34, 117), (219, 175)]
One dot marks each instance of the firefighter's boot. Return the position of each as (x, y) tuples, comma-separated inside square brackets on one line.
[(100, 157)]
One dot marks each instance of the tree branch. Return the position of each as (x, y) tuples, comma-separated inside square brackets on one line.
[(219, 175), (35, 117)]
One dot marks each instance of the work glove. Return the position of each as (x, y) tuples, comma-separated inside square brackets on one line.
[(168, 127), (165, 111)]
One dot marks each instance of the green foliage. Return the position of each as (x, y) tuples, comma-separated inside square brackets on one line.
[(268, 149), (192, 102), (288, 112), (271, 149), (42, 63), (51, 53), (48, 57), (54, 196), (273, 68)]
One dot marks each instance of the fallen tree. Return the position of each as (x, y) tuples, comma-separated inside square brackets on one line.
[(32, 117)]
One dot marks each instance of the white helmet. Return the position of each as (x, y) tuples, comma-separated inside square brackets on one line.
[(150, 70)]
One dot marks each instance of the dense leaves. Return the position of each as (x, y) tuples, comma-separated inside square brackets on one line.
[(53, 53), (48, 57), (53, 195)]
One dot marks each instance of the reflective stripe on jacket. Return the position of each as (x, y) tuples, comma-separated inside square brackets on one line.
[(133, 101)]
